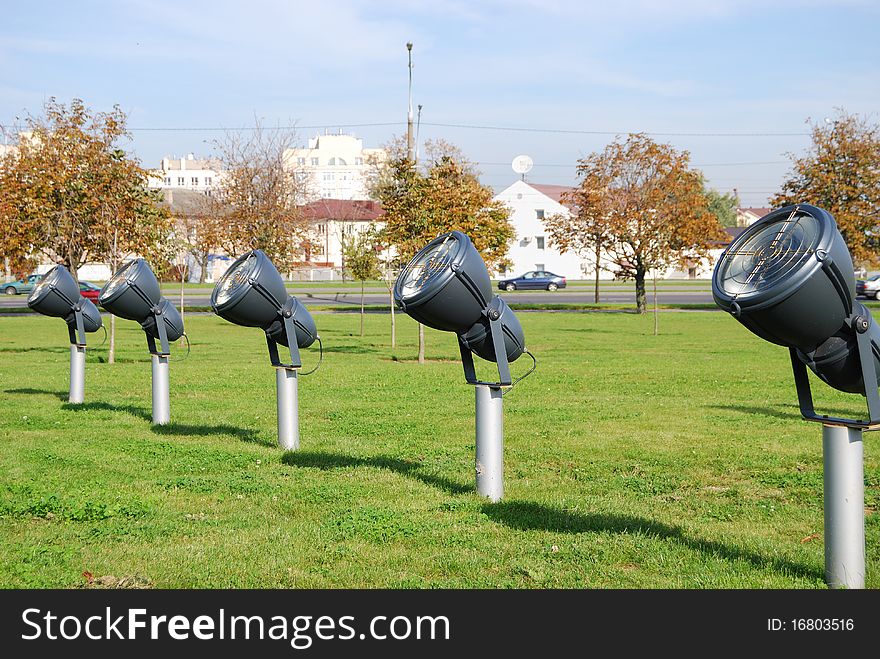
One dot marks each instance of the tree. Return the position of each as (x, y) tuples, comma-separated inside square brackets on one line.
[(445, 194), (650, 206), (580, 231), (68, 189), (722, 206), (840, 172), (261, 196), (361, 261)]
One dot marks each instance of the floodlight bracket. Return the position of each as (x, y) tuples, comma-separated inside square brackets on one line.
[(869, 378), (163, 335), (290, 329), (77, 330), (467, 359)]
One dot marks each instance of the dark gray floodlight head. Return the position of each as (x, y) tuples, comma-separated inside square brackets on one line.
[(789, 279), (57, 294), (252, 293), (133, 293), (446, 286)]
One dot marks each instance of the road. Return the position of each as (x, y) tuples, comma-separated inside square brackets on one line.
[(350, 297)]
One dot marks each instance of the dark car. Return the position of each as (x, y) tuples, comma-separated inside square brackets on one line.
[(869, 287), (535, 279), (22, 286), (89, 290)]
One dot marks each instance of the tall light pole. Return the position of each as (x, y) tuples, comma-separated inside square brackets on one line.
[(411, 156), (410, 143)]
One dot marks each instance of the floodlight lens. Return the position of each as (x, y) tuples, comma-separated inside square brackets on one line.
[(770, 255), (44, 284), (237, 276), (428, 265), (118, 280)]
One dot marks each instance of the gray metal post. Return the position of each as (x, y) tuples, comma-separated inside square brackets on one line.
[(844, 507), (77, 373), (490, 442), (288, 408), (161, 404)]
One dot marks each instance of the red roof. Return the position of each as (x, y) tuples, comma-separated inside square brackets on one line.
[(555, 192), (349, 210)]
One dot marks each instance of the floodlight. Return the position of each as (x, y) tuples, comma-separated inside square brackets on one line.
[(446, 286), (789, 279), (252, 293), (133, 293), (57, 294)]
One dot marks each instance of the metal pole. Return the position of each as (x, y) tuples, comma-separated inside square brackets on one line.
[(844, 507), (288, 408), (77, 373), (490, 442), (161, 405)]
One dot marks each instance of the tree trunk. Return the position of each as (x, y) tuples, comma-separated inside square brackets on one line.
[(656, 317), (362, 307), (203, 267), (641, 301), (182, 285), (393, 324), (111, 352), (114, 264), (421, 344), (598, 252)]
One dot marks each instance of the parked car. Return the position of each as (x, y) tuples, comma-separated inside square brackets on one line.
[(22, 286), (869, 287), (89, 291), (535, 279)]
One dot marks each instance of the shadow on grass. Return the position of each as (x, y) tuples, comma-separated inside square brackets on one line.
[(174, 428), (776, 413), (242, 434), (350, 349), (37, 349), (329, 461), (60, 395), (528, 516)]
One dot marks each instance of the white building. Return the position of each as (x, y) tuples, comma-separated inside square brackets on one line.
[(187, 173), (532, 248), (334, 166)]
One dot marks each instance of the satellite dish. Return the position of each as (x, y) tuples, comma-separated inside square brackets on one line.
[(522, 164)]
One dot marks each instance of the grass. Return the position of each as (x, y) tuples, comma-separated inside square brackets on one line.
[(632, 461)]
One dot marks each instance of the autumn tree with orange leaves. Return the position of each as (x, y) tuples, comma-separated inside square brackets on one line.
[(69, 191), (648, 206), (840, 172)]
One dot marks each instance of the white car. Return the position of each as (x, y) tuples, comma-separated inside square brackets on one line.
[(869, 288)]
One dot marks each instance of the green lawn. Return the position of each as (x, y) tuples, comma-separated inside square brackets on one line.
[(631, 461)]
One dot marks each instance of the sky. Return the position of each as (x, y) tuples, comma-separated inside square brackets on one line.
[(734, 82)]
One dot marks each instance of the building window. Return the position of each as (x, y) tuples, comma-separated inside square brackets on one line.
[(195, 180), (358, 161), (329, 176), (167, 180), (539, 213), (332, 161), (539, 242), (314, 162), (300, 161), (209, 180), (181, 180), (321, 229), (539, 267)]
